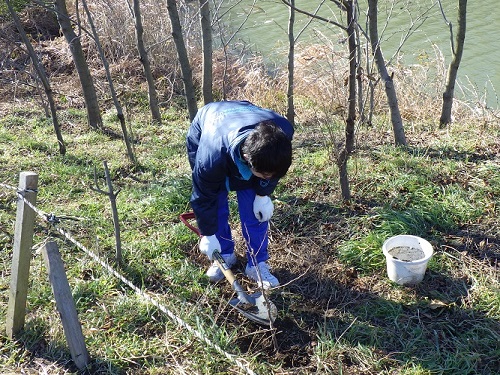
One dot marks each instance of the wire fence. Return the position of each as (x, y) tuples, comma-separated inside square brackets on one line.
[(53, 220)]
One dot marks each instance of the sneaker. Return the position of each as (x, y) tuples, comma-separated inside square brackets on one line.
[(261, 275), (214, 273)]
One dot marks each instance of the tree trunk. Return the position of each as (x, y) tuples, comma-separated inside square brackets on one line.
[(290, 109), (89, 93), (144, 59), (359, 78), (40, 70), (116, 102), (396, 120), (206, 33), (343, 155), (343, 152), (454, 65), (187, 75)]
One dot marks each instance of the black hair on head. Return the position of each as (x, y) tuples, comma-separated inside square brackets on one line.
[(268, 150)]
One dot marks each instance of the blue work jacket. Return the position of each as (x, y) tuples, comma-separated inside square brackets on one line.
[(213, 142)]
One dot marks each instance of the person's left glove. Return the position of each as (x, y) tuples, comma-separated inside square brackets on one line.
[(208, 244), (263, 208)]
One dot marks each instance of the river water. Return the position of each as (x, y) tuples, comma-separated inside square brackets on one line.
[(263, 27)]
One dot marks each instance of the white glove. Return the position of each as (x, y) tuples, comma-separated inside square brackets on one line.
[(263, 208), (208, 244)]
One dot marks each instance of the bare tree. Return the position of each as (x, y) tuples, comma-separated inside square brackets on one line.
[(344, 150), (187, 74), (390, 91), (89, 92), (351, 29), (290, 108), (116, 102), (206, 33), (40, 70), (143, 57), (350, 7), (226, 41), (457, 51), (292, 40), (112, 199)]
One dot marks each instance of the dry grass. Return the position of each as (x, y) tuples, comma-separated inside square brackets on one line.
[(335, 316)]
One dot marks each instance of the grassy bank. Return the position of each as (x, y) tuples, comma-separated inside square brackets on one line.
[(338, 312)]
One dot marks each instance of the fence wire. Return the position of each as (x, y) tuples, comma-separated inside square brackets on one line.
[(52, 220)]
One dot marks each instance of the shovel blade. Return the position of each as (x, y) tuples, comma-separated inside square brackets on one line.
[(260, 311)]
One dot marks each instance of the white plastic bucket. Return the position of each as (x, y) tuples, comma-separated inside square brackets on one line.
[(407, 257)]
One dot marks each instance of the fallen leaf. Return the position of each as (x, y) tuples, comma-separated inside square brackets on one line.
[(436, 304)]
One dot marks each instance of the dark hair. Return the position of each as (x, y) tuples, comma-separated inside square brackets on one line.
[(268, 150)]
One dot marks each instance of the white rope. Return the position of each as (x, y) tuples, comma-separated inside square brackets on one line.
[(161, 307), (8, 186), (231, 357)]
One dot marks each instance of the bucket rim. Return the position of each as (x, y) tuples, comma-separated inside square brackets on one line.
[(425, 246)]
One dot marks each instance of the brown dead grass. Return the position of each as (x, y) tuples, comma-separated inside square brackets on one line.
[(316, 286)]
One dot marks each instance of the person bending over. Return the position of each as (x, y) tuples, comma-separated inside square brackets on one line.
[(237, 146)]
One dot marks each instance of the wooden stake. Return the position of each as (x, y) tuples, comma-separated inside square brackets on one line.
[(23, 240), (65, 305)]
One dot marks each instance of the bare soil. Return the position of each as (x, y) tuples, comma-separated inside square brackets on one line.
[(317, 290)]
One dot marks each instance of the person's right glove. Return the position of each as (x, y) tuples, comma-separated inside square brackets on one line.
[(208, 244), (263, 208)]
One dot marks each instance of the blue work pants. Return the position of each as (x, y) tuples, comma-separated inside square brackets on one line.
[(254, 232)]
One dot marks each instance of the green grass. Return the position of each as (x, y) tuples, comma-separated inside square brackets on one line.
[(338, 313), (415, 200)]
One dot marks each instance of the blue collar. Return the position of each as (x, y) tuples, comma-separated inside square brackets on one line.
[(242, 165), (234, 151)]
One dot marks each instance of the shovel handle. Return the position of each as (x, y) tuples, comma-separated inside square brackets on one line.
[(219, 260), (228, 274), (221, 263)]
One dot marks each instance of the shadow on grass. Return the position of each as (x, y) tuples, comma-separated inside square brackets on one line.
[(476, 243), (51, 357), (453, 153), (331, 315), (430, 329)]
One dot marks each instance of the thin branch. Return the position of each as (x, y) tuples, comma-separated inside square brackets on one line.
[(309, 21), (315, 16), (112, 198), (450, 26), (413, 26)]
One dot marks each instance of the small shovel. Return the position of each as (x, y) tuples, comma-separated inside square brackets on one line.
[(255, 307)]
